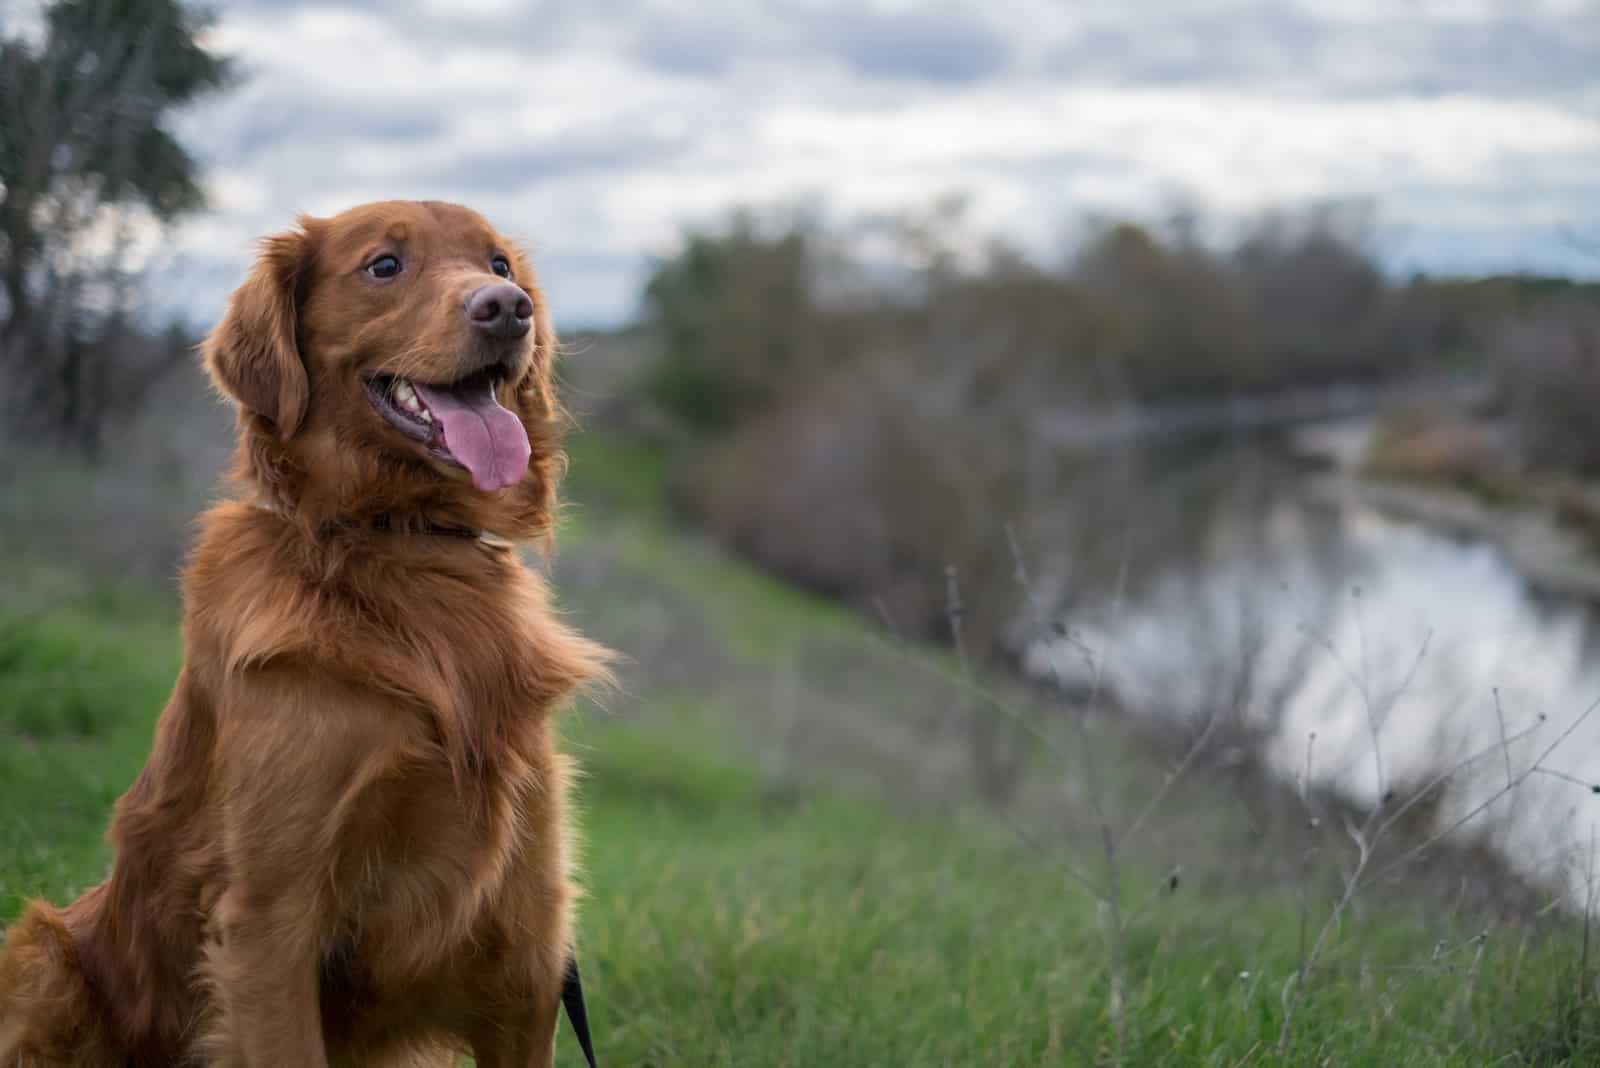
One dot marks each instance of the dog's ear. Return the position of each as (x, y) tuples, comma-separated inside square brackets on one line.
[(253, 354)]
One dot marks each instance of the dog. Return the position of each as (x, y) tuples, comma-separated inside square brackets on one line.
[(349, 843)]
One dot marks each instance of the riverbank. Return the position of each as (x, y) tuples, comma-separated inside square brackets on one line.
[(1545, 527)]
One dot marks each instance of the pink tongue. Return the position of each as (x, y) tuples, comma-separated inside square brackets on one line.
[(487, 440)]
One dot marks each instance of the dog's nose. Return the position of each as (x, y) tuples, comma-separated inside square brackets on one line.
[(500, 310)]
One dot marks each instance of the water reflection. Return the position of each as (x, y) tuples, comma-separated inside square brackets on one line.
[(1403, 651)]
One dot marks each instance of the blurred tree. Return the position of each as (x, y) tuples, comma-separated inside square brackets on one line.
[(1547, 367), (85, 152), (1183, 324), (736, 313), (1319, 302)]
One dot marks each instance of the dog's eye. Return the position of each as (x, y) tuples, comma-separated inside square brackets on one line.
[(500, 266), (384, 267)]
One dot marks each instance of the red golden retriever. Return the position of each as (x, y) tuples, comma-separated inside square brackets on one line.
[(348, 845)]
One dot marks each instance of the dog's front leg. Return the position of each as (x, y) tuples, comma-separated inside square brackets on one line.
[(525, 1040), (298, 754), (264, 972)]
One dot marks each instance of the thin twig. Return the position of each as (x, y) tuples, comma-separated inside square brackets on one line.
[(1166, 786), (1031, 840), (1588, 916), (1366, 692), (1107, 837), (1165, 888), (926, 664), (1427, 789), (1505, 746), (1434, 839)]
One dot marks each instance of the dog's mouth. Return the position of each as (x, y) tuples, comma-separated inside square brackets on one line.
[(460, 422)]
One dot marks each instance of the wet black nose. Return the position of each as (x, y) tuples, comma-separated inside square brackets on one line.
[(500, 309)]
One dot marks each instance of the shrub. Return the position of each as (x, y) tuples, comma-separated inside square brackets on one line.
[(1548, 367)]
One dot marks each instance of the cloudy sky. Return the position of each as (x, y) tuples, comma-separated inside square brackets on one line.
[(597, 130)]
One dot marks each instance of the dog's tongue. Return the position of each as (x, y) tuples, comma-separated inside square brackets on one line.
[(487, 440)]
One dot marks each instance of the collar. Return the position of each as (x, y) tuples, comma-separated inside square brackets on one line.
[(425, 526), (385, 523)]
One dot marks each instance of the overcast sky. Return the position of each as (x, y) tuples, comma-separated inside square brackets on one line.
[(597, 130)]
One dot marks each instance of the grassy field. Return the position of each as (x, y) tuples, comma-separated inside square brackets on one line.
[(807, 910)]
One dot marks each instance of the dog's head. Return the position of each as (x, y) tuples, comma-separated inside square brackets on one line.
[(394, 360)]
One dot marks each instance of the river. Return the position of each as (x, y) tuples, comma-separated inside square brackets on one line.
[(1369, 653)]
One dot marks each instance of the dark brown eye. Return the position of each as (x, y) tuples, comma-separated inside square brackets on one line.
[(500, 266), (385, 266)]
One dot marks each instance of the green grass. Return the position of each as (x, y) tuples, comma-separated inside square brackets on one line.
[(725, 928), (80, 686), (620, 489), (731, 923), (621, 475)]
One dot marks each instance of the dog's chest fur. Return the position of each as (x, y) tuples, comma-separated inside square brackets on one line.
[(462, 832), (438, 852)]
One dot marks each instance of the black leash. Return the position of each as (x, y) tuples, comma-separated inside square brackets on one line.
[(572, 998)]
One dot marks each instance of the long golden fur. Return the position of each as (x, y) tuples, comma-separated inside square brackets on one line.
[(348, 844)]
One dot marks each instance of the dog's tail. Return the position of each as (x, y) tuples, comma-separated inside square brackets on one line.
[(48, 1014)]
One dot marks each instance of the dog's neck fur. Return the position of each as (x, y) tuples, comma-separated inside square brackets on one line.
[(386, 524), (373, 491)]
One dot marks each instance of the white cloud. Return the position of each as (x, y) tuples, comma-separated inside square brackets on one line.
[(600, 131)]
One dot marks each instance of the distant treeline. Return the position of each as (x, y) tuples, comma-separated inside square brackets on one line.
[(855, 404), (746, 311)]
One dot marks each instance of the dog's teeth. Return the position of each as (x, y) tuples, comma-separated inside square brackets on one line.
[(406, 397)]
